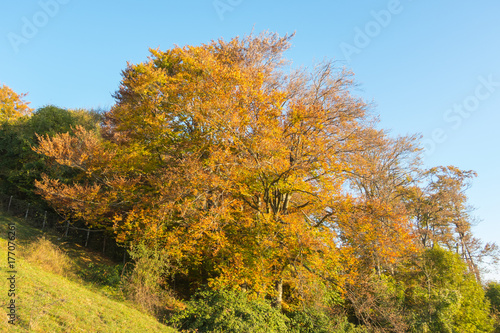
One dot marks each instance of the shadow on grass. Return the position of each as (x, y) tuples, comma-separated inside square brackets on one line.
[(24, 232)]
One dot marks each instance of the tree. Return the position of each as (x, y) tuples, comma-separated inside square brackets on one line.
[(442, 216), (243, 174), (20, 166), (12, 105), (219, 155), (444, 297), (378, 177)]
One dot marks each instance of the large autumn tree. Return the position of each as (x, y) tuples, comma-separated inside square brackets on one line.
[(240, 169)]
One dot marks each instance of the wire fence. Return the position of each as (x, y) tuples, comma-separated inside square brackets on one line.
[(46, 219)]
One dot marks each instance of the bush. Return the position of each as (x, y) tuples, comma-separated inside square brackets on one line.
[(313, 320), (145, 284), (102, 274), (229, 311)]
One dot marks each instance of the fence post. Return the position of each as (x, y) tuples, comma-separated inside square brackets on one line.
[(27, 210), (10, 201), (67, 229), (44, 220), (87, 240)]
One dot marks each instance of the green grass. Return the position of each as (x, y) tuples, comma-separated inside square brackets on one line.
[(48, 302)]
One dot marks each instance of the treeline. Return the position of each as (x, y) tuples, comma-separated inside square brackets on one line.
[(254, 196)]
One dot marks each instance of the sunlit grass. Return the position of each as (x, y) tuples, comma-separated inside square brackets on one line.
[(50, 299)]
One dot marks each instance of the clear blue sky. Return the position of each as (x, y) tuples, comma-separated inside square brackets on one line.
[(430, 67)]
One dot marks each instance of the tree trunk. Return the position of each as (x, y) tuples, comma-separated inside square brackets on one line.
[(279, 293)]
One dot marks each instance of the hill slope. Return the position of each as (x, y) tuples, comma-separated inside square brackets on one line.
[(48, 302)]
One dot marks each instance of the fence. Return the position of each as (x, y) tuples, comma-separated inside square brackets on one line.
[(45, 219)]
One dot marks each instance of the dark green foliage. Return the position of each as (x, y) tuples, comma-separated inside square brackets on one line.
[(102, 274), (230, 312), (313, 320), (309, 321), (51, 120), (493, 295)]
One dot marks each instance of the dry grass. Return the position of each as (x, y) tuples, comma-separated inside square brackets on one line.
[(49, 257)]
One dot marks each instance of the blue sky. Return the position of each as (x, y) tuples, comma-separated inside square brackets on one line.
[(430, 68)]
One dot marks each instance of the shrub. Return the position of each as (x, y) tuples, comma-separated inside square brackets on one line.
[(145, 284), (316, 320), (102, 274), (229, 311)]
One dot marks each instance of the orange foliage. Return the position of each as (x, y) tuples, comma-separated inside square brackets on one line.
[(239, 169), (12, 105)]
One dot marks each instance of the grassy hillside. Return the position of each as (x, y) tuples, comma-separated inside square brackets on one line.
[(50, 302)]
